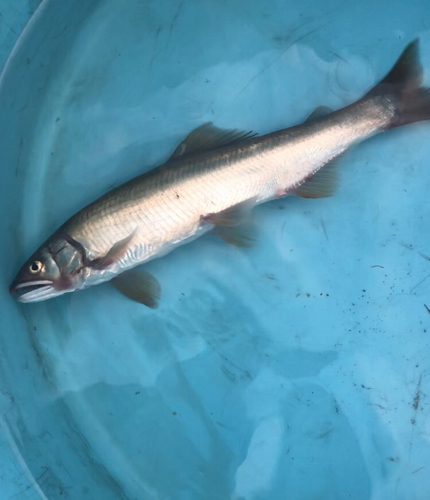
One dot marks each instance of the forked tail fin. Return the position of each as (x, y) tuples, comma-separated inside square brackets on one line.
[(402, 86)]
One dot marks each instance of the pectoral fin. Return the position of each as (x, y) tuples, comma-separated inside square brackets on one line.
[(234, 225), (140, 286), (114, 254)]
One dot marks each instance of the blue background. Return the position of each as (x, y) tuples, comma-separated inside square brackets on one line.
[(297, 369)]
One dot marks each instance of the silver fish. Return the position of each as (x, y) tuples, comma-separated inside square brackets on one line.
[(211, 183)]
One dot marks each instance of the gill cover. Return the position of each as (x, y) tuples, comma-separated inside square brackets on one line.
[(55, 268)]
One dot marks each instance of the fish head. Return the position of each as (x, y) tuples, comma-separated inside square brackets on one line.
[(55, 268)]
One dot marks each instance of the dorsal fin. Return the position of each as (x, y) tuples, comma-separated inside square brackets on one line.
[(318, 112), (208, 137)]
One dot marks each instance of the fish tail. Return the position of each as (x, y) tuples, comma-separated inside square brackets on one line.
[(402, 86)]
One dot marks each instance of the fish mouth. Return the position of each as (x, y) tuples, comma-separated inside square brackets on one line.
[(33, 291)]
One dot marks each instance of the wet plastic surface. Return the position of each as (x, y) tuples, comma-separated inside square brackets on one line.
[(298, 367)]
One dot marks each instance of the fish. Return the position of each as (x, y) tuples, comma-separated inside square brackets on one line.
[(211, 183)]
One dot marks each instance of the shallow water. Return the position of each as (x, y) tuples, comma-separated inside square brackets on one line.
[(297, 369)]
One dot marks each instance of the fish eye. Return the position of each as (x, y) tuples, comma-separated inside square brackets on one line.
[(36, 267)]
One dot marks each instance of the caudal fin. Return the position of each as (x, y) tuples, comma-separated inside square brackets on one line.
[(402, 85)]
